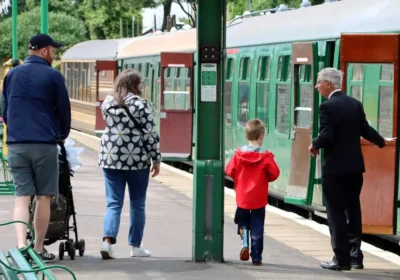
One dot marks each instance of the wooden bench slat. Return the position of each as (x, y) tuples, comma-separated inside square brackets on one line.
[(22, 264), (8, 274)]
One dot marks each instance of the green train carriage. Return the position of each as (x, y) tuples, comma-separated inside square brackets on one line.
[(271, 66)]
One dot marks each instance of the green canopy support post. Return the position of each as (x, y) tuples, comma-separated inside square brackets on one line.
[(44, 10), (14, 13), (208, 183)]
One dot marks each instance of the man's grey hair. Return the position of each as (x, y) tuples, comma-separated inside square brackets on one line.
[(333, 75)]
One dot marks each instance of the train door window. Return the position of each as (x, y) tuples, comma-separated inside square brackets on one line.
[(146, 83), (175, 97), (262, 89), (283, 87), (355, 80), (386, 100), (244, 91), (157, 86), (229, 68), (187, 85), (303, 102)]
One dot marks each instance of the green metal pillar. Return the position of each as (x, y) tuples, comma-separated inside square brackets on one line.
[(208, 207), (44, 10), (14, 9)]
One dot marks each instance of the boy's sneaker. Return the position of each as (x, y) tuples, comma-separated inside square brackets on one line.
[(106, 251), (257, 263), (244, 252), (47, 257), (139, 252)]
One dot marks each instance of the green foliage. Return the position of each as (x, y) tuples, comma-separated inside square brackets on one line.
[(62, 27), (103, 17)]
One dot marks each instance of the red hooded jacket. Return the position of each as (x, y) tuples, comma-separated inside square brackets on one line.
[(251, 171)]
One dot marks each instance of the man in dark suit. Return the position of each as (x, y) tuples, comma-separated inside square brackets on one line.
[(342, 123)]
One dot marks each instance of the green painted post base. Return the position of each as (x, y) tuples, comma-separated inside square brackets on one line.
[(208, 213)]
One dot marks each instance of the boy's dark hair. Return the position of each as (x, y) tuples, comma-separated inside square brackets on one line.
[(254, 129)]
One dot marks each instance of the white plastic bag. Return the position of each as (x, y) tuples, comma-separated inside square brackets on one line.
[(72, 154)]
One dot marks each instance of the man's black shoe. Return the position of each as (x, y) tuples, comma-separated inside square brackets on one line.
[(334, 266), (357, 266)]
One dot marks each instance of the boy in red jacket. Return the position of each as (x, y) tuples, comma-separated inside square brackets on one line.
[(251, 168)]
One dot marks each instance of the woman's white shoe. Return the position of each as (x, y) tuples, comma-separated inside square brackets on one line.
[(106, 251), (139, 252)]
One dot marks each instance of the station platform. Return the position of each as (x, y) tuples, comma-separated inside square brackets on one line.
[(292, 250)]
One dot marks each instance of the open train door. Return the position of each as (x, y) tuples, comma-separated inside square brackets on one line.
[(110, 67), (304, 123), (378, 196), (176, 115)]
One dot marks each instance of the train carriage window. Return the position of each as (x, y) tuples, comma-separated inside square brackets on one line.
[(262, 89), (126, 66), (243, 111), (133, 66), (263, 68), (147, 70), (262, 102), (245, 68), (140, 68), (283, 108), (244, 91), (228, 90), (283, 88)]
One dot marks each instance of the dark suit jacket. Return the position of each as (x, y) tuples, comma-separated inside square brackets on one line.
[(342, 123)]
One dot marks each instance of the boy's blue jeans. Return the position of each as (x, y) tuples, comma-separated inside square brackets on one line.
[(253, 220), (116, 181)]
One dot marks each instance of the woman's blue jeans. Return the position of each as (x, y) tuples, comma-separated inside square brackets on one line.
[(116, 181)]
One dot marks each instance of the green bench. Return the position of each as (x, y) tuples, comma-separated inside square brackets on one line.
[(6, 181), (14, 263)]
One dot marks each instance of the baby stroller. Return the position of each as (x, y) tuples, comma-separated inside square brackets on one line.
[(62, 208)]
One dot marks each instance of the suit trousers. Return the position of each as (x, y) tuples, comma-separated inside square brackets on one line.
[(342, 195)]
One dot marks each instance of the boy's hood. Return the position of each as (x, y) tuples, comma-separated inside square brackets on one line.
[(249, 155)]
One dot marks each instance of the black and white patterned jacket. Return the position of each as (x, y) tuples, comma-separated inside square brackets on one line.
[(122, 142)]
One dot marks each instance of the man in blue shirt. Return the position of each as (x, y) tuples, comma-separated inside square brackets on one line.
[(37, 112)]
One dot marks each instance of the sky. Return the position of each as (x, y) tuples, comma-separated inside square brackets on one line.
[(148, 15)]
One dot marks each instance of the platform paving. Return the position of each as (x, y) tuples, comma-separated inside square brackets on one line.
[(168, 235)]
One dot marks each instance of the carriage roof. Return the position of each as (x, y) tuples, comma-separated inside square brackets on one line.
[(325, 21), (95, 50)]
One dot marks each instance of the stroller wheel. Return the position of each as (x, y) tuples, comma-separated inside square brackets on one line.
[(71, 250), (81, 247), (61, 251)]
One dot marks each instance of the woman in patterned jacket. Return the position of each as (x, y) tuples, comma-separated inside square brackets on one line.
[(128, 143)]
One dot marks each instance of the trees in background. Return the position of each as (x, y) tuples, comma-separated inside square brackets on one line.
[(73, 21)]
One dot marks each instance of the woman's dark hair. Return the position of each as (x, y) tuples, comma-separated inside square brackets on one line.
[(127, 81)]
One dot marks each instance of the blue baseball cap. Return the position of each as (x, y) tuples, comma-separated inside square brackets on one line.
[(41, 41)]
